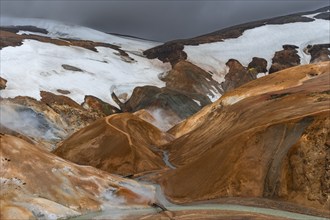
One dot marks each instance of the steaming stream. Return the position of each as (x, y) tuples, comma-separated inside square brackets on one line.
[(136, 212), (118, 213), (165, 157)]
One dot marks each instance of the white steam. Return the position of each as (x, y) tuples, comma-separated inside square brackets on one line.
[(146, 192), (163, 120), (26, 121)]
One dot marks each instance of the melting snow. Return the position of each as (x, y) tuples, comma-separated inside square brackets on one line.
[(315, 14), (259, 75), (57, 29), (36, 66), (261, 42), (198, 102)]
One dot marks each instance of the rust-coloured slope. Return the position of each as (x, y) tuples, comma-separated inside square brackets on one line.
[(288, 78), (121, 144), (37, 183), (266, 139)]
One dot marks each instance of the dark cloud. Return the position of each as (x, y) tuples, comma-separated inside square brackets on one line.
[(159, 20)]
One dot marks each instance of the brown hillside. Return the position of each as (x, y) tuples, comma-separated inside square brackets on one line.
[(268, 138), (37, 184), (121, 144)]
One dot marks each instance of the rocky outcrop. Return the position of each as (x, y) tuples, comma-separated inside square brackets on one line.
[(239, 75), (46, 122), (71, 68), (171, 52), (51, 99), (192, 81), (261, 145), (70, 111), (324, 15), (29, 28), (318, 52), (188, 89), (36, 184), (257, 65), (3, 83), (33, 121), (305, 168), (95, 104), (288, 57), (152, 98), (122, 144)]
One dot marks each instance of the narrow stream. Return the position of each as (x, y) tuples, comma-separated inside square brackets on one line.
[(125, 212), (122, 213), (166, 160), (165, 157)]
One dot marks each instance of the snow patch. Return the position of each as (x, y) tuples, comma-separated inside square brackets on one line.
[(259, 75), (214, 97), (40, 65), (261, 41), (198, 102), (315, 14), (230, 100)]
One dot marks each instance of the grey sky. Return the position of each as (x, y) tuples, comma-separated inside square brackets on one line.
[(159, 20)]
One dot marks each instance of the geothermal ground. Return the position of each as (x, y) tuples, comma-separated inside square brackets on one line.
[(220, 126)]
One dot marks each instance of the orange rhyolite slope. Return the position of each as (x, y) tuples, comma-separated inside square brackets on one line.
[(122, 144), (268, 138), (37, 184)]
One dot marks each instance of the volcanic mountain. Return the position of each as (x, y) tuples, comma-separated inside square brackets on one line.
[(79, 62), (240, 115), (250, 143), (253, 142)]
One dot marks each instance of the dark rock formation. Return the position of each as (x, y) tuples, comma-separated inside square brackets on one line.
[(95, 104), (288, 57), (71, 112), (237, 75), (63, 91), (257, 65), (29, 28), (3, 83), (192, 81), (9, 39), (71, 68), (171, 52), (151, 97), (51, 99), (318, 52), (325, 16)]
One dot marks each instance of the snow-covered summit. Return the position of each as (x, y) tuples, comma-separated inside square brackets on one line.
[(36, 66), (58, 29), (260, 39), (262, 42)]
